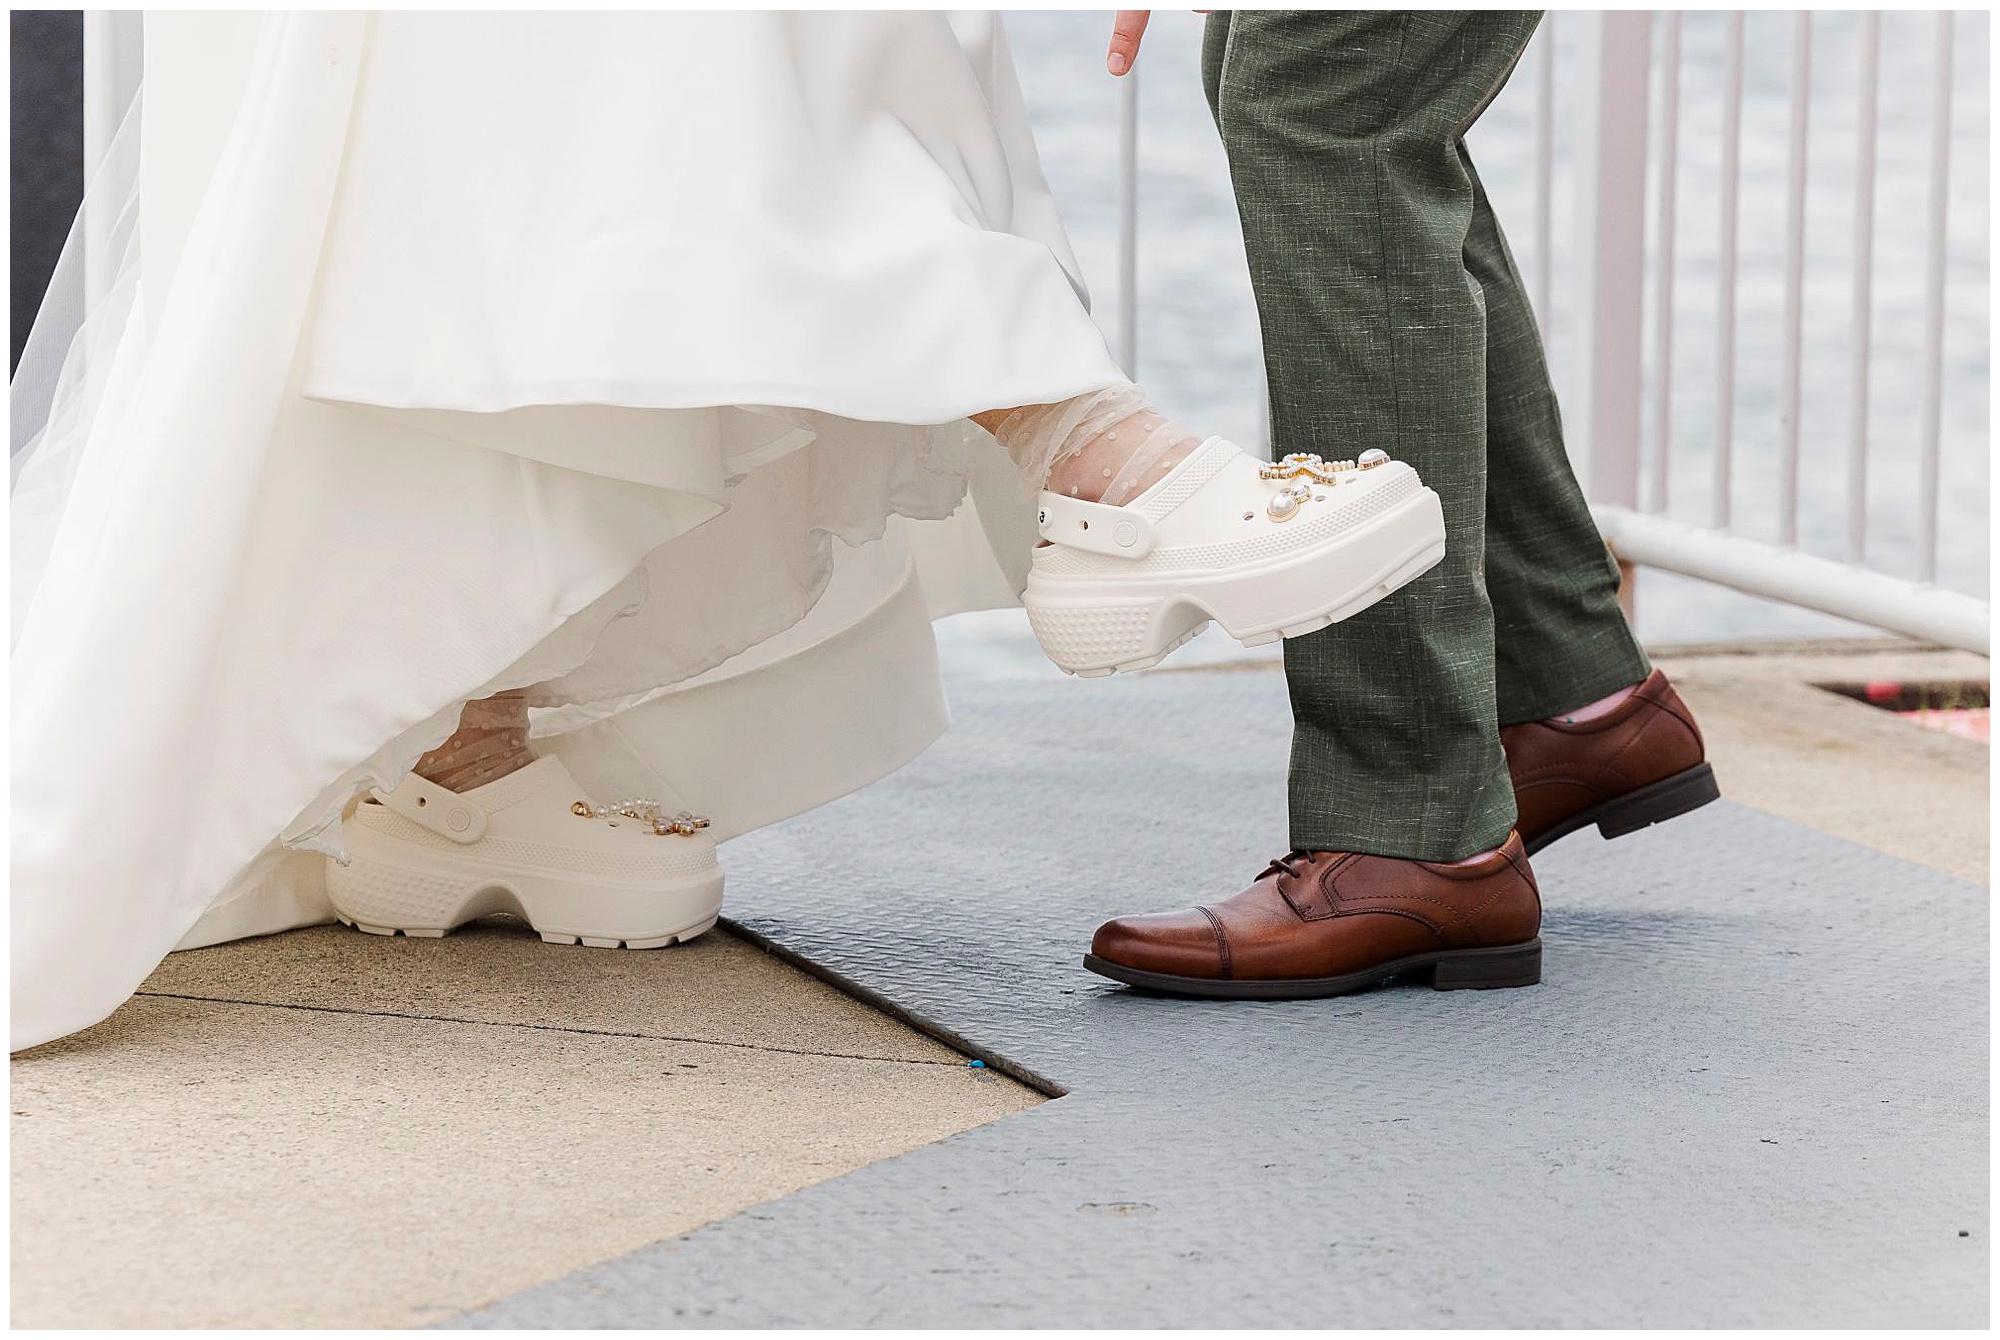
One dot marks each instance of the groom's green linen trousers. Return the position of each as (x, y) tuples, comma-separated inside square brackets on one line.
[(1393, 317)]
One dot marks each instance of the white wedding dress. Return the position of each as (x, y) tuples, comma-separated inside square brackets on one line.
[(400, 358)]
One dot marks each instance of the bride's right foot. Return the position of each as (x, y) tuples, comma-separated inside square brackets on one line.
[(1149, 533), (426, 860), (1104, 446), (1267, 551)]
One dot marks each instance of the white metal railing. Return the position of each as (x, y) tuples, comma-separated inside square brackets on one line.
[(1719, 551), (1618, 143), (1128, 222)]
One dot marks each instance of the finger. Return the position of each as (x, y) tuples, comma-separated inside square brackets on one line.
[(1126, 30)]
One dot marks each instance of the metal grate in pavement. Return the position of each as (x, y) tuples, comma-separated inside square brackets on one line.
[(1752, 1090)]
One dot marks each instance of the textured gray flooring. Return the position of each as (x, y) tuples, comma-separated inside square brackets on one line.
[(1752, 1090)]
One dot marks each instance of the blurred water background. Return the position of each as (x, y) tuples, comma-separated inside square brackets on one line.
[(1198, 342)]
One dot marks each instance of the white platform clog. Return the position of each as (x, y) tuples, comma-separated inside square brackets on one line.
[(1267, 550), (426, 860)]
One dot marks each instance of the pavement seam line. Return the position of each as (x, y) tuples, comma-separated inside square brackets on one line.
[(544, 1028), (867, 995)]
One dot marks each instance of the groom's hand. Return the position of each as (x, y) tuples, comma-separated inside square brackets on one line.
[(1126, 30)]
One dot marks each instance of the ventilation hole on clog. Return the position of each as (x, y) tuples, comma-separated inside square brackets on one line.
[(1084, 524), (421, 802)]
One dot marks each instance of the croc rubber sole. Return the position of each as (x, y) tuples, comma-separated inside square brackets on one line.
[(391, 892), (1095, 626)]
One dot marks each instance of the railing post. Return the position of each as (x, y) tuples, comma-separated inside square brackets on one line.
[(1610, 256), (1722, 456), (1861, 348), (1665, 224), (1545, 174), (1611, 259), (1939, 241), (1128, 223)]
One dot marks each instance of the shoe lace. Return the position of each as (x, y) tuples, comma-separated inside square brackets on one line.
[(1291, 863)]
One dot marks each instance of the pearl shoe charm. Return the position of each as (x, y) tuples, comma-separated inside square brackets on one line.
[(1285, 503), (683, 824), (1305, 469), (1306, 465)]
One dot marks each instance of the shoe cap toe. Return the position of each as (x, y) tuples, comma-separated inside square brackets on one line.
[(1179, 944)]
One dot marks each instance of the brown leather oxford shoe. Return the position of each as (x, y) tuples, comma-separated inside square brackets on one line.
[(1640, 763), (1320, 923)]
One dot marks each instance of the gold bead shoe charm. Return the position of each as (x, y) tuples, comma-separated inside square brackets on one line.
[(1304, 469), (645, 811)]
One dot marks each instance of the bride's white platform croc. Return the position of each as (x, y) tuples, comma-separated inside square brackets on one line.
[(1267, 550), (425, 860)]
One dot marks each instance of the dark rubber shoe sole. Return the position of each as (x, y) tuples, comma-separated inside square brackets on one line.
[(1666, 799), (1447, 970)]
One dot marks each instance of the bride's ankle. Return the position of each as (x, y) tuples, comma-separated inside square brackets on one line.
[(1108, 446), (491, 741), (1119, 463)]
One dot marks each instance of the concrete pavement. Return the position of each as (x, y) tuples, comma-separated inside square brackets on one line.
[(1750, 1091), (332, 1129), (1787, 746)]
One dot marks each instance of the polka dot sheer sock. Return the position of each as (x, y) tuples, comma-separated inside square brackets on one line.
[(1107, 446), (490, 742)]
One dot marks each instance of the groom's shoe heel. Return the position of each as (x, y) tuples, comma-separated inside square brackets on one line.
[(1666, 799), (1477, 969), (1639, 764)]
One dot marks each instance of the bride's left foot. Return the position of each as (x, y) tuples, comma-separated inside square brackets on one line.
[(425, 860), (1267, 551)]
